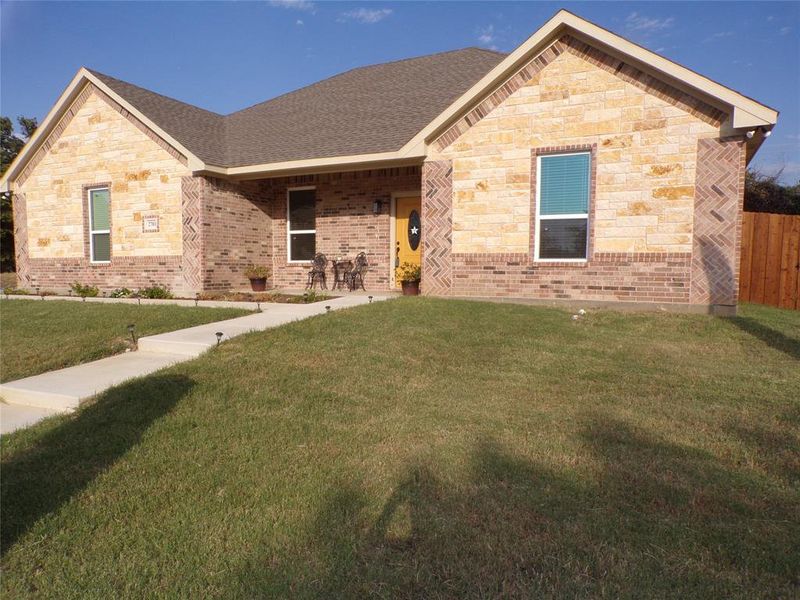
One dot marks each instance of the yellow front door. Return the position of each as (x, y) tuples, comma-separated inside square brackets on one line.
[(408, 231)]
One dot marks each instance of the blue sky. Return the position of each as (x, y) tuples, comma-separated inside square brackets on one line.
[(224, 56)]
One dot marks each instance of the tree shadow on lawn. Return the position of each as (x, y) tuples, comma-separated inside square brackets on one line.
[(655, 519), (773, 338), (37, 481)]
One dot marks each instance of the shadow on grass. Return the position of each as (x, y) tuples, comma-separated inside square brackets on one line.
[(771, 337), (38, 480), (654, 520)]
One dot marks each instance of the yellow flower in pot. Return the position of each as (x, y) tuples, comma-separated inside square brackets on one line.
[(409, 275)]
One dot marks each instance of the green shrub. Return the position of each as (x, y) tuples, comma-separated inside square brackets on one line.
[(155, 292), (121, 293), (85, 291), (17, 292)]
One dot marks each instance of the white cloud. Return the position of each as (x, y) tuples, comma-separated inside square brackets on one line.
[(365, 15), (785, 30), (486, 35), (642, 24), (304, 5), (718, 36), (299, 22)]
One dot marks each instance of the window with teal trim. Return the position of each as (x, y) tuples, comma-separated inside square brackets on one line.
[(562, 206)]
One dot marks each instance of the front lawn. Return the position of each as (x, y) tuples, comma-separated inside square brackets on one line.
[(428, 448), (38, 336)]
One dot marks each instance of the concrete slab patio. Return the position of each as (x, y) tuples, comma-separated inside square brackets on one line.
[(63, 390)]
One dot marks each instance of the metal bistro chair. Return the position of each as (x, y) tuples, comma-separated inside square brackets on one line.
[(317, 272), (360, 268)]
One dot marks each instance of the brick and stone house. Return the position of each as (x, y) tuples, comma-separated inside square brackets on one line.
[(579, 166)]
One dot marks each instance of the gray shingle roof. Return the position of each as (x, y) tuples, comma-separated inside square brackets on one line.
[(366, 110)]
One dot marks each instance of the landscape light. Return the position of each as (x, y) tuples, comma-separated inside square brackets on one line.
[(132, 331), (370, 299), (219, 335)]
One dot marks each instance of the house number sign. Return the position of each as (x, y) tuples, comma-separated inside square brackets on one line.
[(414, 230), (150, 224)]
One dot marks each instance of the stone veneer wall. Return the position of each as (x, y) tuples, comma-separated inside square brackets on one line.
[(646, 139), (346, 224), (660, 175), (98, 142)]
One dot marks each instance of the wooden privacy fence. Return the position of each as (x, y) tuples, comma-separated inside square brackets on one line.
[(770, 269)]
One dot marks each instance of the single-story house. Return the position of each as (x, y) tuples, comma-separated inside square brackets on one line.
[(579, 166)]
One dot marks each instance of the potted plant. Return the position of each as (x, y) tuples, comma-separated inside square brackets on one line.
[(409, 275), (258, 277)]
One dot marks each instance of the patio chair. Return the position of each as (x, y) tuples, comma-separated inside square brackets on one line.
[(317, 272), (360, 268)]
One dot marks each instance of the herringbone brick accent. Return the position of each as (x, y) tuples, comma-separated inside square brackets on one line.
[(437, 215), (191, 200), (21, 239), (718, 200)]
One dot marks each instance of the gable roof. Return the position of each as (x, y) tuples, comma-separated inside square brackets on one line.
[(362, 111), (380, 114)]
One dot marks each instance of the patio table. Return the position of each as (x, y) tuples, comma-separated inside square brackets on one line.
[(341, 268)]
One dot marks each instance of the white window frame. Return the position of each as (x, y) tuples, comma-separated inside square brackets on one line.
[(290, 231), (92, 231), (540, 217)]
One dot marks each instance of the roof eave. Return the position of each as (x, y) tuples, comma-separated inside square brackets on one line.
[(331, 164), (65, 100)]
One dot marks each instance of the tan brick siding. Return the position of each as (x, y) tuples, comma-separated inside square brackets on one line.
[(236, 232), (345, 223), (99, 144), (646, 161)]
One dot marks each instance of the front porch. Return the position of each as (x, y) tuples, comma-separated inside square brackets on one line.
[(229, 225)]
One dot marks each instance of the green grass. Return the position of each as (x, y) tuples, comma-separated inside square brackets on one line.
[(38, 336), (428, 448)]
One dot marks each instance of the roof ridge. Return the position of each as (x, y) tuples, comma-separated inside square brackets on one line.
[(362, 67)]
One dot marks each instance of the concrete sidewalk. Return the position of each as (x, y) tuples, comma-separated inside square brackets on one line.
[(65, 389)]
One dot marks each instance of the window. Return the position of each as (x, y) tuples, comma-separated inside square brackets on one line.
[(99, 225), (562, 206), (302, 224)]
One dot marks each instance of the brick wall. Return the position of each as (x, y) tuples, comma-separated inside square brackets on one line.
[(236, 231), (98, 143), (345, 222), (57, 274), (659, 277), (718, 207)]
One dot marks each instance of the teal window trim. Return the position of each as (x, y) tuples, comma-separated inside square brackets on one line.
[(104, 229), (583, 187)]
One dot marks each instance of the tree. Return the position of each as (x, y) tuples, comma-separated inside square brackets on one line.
[(763, 193), (10, 146)]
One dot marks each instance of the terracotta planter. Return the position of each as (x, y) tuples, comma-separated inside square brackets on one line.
[(410, 288), (259, 284)]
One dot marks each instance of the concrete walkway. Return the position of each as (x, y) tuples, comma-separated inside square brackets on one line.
[(33, 398)]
